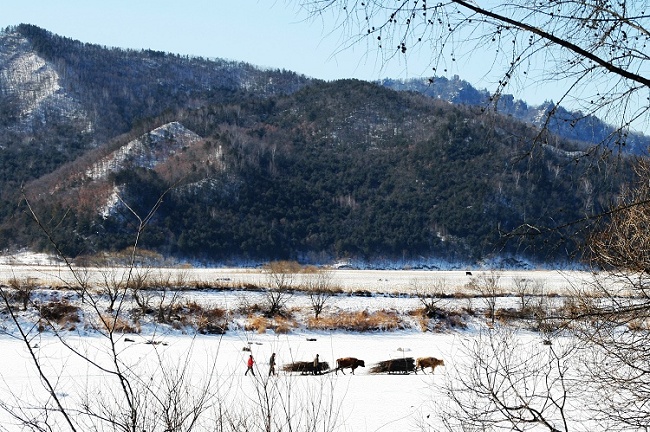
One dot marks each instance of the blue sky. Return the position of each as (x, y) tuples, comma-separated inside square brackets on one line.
[(267, 33)]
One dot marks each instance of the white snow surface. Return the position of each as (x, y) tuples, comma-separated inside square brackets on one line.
[(363, 402)]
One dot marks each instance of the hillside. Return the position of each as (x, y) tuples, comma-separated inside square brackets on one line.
[(260, 165), (573, 125)]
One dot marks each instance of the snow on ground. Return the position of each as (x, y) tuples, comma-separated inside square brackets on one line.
[(362, 403), (379, 281)]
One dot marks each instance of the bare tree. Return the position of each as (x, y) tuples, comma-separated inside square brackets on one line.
[(280, 276), (430, 293), (23, 289), (486, 285), (166, 294), (614, 321), (595, 50), (276, 407), (318, 284), (505, 382), (622, 242), (112, 284), (531, 295), (128, 398)]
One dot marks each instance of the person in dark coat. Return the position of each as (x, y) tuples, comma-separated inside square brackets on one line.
[(272, 365), (316, 365)]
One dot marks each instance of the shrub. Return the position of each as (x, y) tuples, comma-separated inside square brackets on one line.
[(207, 320), (118, 324), (278, 324), (257, 323), (421, 318), (438, 319), (22, 290), (283, 325), (212, 321), (61, 313), (358, 321)]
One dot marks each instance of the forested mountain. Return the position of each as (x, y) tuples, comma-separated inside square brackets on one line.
[(258, 164), (68, 96), (573, 125)]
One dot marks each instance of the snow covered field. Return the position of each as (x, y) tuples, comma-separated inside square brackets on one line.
[(377, 281), (360, 403)]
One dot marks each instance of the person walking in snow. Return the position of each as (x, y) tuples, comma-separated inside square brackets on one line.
[(316, 365), (272, 365), (250, 364)]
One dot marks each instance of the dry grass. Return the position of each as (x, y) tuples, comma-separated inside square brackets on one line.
[(420, 316), (257, 323), (61, 313), (279, 324), (358, 321), (207, 320), (117, 324), (640, 324), (438, 320), (284, 325)]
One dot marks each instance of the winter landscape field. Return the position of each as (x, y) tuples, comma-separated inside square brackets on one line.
[(80, 360)]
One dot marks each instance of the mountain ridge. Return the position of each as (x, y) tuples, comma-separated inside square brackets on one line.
[(259, 164), (573, 125)]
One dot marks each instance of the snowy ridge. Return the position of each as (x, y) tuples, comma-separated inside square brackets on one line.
[(147, 151), (35, 84)]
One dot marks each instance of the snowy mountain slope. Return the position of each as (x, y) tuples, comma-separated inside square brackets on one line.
[(35, 87)]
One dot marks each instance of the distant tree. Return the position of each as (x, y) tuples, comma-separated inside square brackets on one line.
[(430, 293), (280, 276), (487, 286), (318, 284)]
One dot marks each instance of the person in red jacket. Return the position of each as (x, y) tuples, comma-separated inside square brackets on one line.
[(250, 364)]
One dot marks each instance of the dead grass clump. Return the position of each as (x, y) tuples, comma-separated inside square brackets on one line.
[(358, 321), (439, 321), (257, 323), (510, 314), (249, 309), (207, 320), (205, 326), (279, 324), (61, 313), (22, 290), (640, 324), (284, 325), (576, 307), (422, 320), (118, 324)]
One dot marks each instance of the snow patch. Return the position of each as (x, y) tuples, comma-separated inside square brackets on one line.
[(147, 151)]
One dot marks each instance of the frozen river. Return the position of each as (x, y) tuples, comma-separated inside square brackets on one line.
[(378, 281)]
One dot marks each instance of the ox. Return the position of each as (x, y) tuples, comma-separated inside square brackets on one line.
[(348, 362), (425, 362)]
